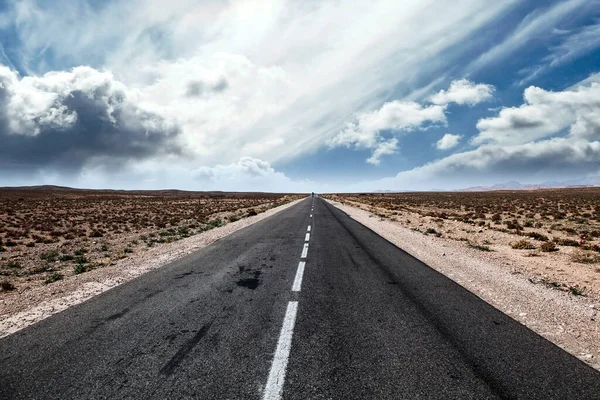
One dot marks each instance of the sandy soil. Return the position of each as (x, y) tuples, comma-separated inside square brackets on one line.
[(524, 288), (19, 309)]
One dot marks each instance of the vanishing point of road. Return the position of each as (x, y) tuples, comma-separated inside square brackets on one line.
[(306, 304)]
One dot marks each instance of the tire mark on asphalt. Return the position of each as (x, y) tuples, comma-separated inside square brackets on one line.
[(184, 350), (116, 315)]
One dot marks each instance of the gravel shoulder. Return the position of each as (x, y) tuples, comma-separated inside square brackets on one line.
[(503, 280), (19, 309)]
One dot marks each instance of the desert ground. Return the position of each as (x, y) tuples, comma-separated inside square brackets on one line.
[(49, 234), (553, 235)]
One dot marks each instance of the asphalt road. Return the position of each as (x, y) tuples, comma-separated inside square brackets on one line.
[(365, 321)]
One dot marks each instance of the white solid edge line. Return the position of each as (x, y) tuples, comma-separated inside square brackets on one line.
[(307, 237), (298, 279), (276, 379), (304, 251), (308, 229)]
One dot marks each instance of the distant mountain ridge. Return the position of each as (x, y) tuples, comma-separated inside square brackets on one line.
[(514, 185)]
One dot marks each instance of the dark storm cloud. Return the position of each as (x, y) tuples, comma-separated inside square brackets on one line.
[(107, 130)]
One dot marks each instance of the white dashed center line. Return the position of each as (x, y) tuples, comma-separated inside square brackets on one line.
[(276, 379), (304, 251), (274, 387), (298, 280)]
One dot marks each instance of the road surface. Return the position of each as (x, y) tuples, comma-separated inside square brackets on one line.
[(306, 304)]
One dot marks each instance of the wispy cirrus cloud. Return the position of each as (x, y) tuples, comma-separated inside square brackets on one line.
[(537, 24), (572, 45)]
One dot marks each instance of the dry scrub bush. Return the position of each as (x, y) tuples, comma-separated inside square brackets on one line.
[(548, 247), (585, 257), (522, 244)]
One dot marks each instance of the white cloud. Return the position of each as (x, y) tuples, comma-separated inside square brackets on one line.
[(386, 147), (537, 162), (464, 91), (395, 116), (553, 136), (545, 114), (294, 71), (448, 141), (232, 88), (246, 174), (405, 116)]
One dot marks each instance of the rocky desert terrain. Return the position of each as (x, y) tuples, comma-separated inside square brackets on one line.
[(51, 233)]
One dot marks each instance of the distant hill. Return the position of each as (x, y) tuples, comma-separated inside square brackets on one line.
[(52, 190), (514, 185)]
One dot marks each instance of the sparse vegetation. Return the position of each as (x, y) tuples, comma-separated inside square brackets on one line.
[(537, 236), (81, 260), (45, 231), (548, 247), (81, 268), (50, 256), (480, 247), (6, 286), (80, 251), (566, 242), (576, 291), (573, 211), (585, 257), (56, 276), (522, 245)]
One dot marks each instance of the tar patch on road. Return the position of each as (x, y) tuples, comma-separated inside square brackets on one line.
[(250, 283)]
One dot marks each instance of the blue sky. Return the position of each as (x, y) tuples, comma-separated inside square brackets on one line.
[(298, 96)]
